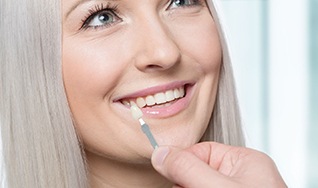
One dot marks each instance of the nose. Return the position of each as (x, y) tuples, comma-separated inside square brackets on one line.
[(156, 49)]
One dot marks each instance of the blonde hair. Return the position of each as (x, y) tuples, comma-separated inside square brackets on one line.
[(40, 144)]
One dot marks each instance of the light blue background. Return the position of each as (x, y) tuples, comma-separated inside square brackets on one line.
[(273, 44)]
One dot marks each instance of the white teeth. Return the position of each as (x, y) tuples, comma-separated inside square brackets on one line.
[(157, 99), (141, 102), (126, 103), (176, 93), (182, 92), (150, 100), (160, 98), (169, 95)]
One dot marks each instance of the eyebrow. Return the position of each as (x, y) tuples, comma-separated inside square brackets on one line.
[(80, 2)]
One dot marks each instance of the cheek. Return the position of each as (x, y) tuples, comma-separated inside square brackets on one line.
[(202, 45), (210, 53), (88, 72)]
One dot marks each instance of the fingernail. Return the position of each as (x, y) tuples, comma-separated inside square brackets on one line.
[(159, 155)]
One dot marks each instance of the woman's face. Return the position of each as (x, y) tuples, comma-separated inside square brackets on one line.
[(163, 55)]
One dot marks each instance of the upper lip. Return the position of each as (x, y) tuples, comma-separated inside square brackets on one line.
[(154, 89)]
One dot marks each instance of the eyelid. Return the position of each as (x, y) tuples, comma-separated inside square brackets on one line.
[(194, 3), (93, 16), (81, 2), (97, 9)]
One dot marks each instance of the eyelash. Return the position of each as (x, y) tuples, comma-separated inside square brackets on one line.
[(195, 3), (114, 10), (95, 11)]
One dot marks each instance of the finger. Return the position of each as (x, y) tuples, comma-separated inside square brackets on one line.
[(245, 163), (186, 169), (219, 156)]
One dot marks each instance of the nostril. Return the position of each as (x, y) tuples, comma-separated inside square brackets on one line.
[(154, 67), (157, 57)]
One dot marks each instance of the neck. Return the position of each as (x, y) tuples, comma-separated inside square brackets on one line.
[(111, 173)]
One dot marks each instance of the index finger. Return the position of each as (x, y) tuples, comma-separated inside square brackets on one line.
[(219, 156)]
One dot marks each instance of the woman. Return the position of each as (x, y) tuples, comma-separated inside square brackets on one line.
[(65, 93)]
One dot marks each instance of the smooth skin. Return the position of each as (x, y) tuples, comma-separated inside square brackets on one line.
[(112, 48), (211, 164)]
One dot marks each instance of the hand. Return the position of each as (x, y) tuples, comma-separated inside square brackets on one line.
[(211, 164)]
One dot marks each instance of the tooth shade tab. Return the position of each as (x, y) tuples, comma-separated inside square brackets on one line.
[(136, 112)]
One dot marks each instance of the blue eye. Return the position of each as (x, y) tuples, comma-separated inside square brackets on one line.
[(101, 17), (183, 3)]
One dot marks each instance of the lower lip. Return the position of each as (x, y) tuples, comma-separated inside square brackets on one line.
[(171, 110)]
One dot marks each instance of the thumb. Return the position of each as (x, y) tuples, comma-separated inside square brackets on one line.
[(186, 169)]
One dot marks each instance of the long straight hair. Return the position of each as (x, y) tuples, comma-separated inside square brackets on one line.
[(40, 147), (225, 124), (40, 144)]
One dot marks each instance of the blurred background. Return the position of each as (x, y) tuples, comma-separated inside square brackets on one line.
[(273, 46)]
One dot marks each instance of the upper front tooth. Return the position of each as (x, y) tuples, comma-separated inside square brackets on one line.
[(169, 95), (150, 100), (160, 98), (141, 102)]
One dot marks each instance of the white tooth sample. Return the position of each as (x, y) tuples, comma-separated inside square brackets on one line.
[(182, 93), (150, 100), (136, 112), (140, 102), (160, 98), (176, 93), (132, 103), (169, 95), (126, 103)]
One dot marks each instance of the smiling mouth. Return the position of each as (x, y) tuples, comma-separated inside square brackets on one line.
[(157, 100)]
